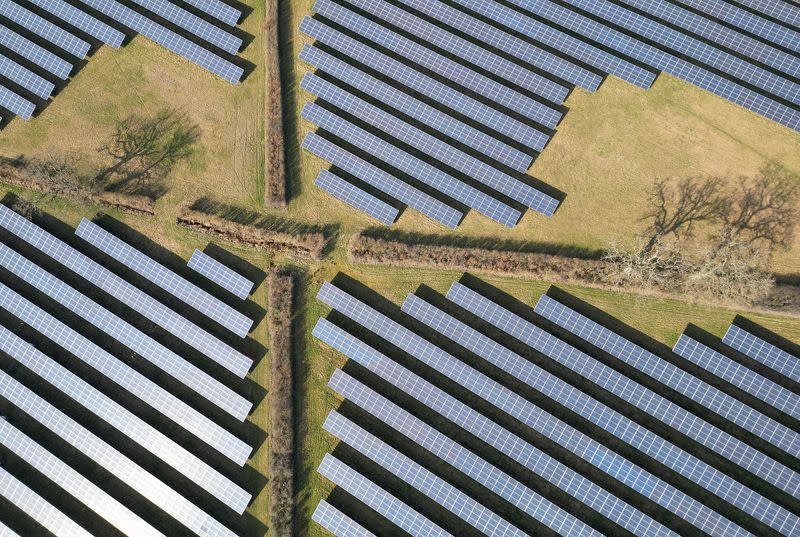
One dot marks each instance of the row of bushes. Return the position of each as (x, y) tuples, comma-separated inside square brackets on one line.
[(281, 409), (274, 156)]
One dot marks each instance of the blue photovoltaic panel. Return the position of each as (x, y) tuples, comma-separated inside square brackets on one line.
[(217, 9), (458, 456), (747, 21), (378, 499), (193, 24), (596, 412), (600, 59), (529, 414), (761, 351), (720, 34), (45, 29), (428, 87), (225, 277), (738, 375), (777, 9), (107, 457), (125, 377), (625, 388), (25, 78), (449, 69), (672, 376), (146, 347), (169, 39), (426, 482), (33, 52), (174, 284), (430, 145), (413, 107), (413, 166), (83, 21), (692, 48), (123, 291), (490, 432), (512, 45), (356, 197), (16, 104), (38, 508), (136, 429), (338, 523), (74, 483), (467, 51), (383, 181), (659, 59)]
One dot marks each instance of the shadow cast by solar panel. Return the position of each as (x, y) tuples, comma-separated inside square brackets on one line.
[(364, 515)]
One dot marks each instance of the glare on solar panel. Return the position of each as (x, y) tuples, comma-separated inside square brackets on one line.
[(82, 21), (220, 274), (125, 377), (338, 523), (125, 421), (766, 353), (356, 197), (26, 78), (169, 39), (430, 145), (111, 460), (176, 285), (74, 483), (16, 104), (218, 9), (33, 52), (45, 29), (412, 107)]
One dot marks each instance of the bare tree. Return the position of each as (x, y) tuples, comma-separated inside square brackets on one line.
[(54, 176)]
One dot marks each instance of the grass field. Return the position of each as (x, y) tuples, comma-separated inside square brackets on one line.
[(604, 155)]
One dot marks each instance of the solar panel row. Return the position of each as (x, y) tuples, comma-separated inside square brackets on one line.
[(777, 9), (762, 351), (220, 274), (33, 52), (338, 523), (25, 78), (356, 197), (82, 21), (218, 9), (44, 29), (15, 104), (5, 531)]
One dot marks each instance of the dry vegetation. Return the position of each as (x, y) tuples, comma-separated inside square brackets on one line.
[(274, 147)]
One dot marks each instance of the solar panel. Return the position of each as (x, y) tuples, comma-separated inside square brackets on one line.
[(25, 78), (83, 21), (429, 484), (430, 145), (738, 375), (44, 28), (193, 24), (428, 87), (444, 67), (573, 47), (691, 48), (169, 39), (378, 499), (126, 293), (217, 9), (125, 377), (490, 432), (512, 45), (466, 50), (33, 52), (367, 172), (356, 197), (747, 21), (412, 107), (15, 104), (37, 508), (529, 414), (176, 285), (659, 59), (225, 277), (74, 483), (146, 347), (5, 531), (413, 166), (625, 388), (670, 375), (596, 412), (111, 460), (458, 457), (338, 523), (761, 351), (720, 34), (777, 9), (126, 422)]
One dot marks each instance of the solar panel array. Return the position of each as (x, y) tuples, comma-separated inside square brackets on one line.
[(459, 76), (50, 26), (221, 274), (477, 344), (131, 403)]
